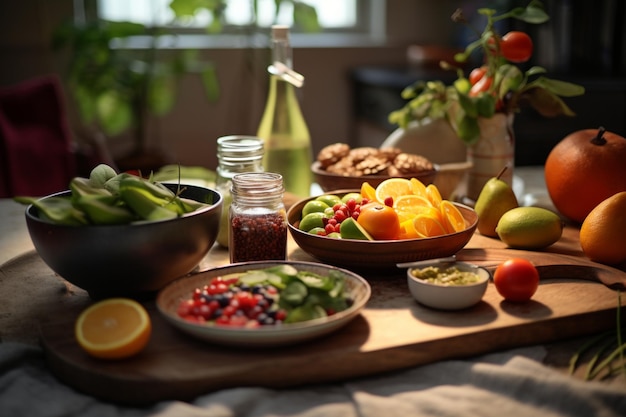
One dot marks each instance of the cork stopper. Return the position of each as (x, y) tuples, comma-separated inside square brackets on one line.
[(280, 32)]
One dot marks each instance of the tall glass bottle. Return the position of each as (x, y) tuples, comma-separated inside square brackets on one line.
[(235, 154), (283, 128)]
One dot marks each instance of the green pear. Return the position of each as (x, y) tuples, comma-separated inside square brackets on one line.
[(495, 199)]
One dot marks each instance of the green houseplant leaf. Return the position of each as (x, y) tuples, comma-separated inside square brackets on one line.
[(502, 88)]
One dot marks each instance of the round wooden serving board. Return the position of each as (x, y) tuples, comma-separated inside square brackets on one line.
[(393, 331)]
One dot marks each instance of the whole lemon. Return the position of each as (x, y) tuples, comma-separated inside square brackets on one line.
[(583, 169), (603, 232), (529, 228)]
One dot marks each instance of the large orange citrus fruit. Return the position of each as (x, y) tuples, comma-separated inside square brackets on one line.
[(380, 221), (603, 232), (115, 328), (585, 168)]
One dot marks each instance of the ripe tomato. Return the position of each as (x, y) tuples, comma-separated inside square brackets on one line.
[(477, 74), (380, 221), (516, 46), (516, 279), (481, 85)]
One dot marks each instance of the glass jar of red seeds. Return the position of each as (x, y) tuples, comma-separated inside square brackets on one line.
[(258, 219)]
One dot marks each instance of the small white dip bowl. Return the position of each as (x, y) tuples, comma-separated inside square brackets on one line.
[(448, 297)]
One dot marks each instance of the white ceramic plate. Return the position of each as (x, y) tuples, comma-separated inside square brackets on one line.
[(169, 299)]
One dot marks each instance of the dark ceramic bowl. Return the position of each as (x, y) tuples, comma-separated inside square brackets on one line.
[(329, 181), (131, 259), (378, 255)]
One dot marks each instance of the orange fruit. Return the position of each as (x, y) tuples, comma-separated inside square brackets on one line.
[(115, 328), (603, 232), (394, 188), (428, 226), (380, 221), (367, 191), (453, 219), (585, 168)]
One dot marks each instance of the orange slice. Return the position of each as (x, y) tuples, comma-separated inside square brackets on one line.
[(394, 188), (411, 203), (367, 191), (405, 215), (418, 187), (428, 226), (452, 216), (115, 328), (407, 230), (433, 194)]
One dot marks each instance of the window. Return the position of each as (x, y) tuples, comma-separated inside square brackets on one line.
[(342, 21)]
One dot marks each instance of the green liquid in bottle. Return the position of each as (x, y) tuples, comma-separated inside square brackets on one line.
[(284, 131), (287, 140)]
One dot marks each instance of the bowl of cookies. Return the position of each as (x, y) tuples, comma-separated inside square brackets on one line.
[(339, 166)]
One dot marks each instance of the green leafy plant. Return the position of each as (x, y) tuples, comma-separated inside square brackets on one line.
[(116, 88), (499, 85), (608, 358)]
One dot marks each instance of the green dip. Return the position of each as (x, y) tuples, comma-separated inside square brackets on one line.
[(447, 276)]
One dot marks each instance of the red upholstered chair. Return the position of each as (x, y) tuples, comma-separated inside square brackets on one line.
[(36, 146)]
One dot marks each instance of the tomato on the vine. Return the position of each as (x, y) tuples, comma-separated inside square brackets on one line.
[(380, 221), (516, 46), (516, 279), (477, 74), (481, 85)]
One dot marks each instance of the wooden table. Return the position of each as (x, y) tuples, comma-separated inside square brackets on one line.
[(373, 343)]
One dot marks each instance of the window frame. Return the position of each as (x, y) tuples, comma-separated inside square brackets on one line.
[(368, 31)]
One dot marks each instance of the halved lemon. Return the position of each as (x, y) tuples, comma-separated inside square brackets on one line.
[(394, 188), (115, 328)]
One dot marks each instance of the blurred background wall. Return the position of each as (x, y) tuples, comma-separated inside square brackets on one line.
[(350, 89)]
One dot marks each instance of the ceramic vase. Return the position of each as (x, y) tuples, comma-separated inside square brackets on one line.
[(437, 141), (494, 150)]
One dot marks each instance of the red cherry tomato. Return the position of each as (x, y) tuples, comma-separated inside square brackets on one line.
[(380, 221), (516, 279), (477, 74), (481, 85), (516, 46)]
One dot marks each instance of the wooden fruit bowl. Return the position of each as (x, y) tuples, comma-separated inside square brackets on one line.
[(378, 254)]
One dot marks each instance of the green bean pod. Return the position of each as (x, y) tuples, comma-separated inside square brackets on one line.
[(102, 209), (146, 205), (56, 210)]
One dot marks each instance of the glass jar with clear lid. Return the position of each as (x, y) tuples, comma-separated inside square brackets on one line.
[(258, 219), (235, 154)]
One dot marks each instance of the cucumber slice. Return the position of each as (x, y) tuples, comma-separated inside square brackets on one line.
[(294, 294), (254, 277), (304, 313), (284, 271), (316, 281)]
